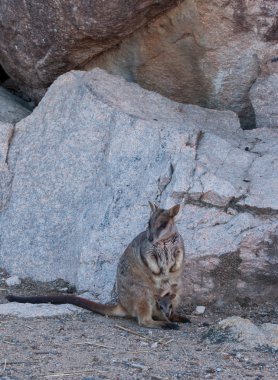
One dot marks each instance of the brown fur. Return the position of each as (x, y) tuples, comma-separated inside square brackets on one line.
[(150, 267)]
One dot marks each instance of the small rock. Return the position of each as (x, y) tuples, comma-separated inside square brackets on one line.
[(139, 366), (210, 370), (232, 211), (200, 310), (13, 280), (144, 344), (63, 289)]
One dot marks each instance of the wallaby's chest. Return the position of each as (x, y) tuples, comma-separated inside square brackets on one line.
[(165, 255), (168, 256)]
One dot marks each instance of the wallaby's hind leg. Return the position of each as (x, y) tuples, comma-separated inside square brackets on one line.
[(145, 319)]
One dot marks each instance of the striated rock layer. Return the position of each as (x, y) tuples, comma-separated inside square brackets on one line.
[(87, 160)]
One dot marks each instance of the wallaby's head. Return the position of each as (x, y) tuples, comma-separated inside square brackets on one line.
[(162, 224), (164, 304)]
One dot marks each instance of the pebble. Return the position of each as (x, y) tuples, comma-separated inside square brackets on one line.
[(231, 211), (13, 280), (144, 344), (200, 310)]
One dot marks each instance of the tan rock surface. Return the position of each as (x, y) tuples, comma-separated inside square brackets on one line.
[(202, 52)]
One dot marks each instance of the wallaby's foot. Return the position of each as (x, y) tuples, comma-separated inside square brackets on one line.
[(171, 326), (151, 324), (179, 319)]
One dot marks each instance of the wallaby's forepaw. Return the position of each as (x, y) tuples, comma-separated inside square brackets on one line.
[(171, 326), (180, 319), (184, 320)]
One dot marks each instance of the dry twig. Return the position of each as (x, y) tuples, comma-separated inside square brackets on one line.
[(95, 344), (135, 333), (61, 374)]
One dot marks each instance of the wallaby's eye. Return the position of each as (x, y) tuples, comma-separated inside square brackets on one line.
[(163, 225)]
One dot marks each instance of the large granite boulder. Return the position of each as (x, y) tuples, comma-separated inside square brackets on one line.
[(42, 39), (87, 160), (201, 52)]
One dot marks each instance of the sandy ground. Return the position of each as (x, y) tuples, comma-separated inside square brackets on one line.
[(87, 346)]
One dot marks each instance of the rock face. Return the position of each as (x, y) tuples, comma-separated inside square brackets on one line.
[(201, 52), (50, 38), (85, 165), (263, 96)]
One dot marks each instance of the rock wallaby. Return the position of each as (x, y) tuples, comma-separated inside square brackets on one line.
[(150, 268), (165, 306)]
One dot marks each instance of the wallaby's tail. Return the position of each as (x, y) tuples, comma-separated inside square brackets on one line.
[(110, 310)]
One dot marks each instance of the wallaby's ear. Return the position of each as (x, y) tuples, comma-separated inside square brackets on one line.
[(153, 206), (172, 296), (173, 211)]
